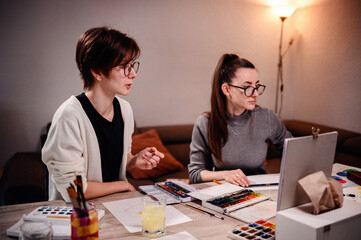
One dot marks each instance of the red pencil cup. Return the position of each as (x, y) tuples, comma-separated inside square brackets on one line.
[(84, 223)]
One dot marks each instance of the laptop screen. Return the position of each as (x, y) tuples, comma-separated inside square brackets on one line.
[(301, 157)]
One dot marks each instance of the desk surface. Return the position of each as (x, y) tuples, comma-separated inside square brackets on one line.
[(111, 228)]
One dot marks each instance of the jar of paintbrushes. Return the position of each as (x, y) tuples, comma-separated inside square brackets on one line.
[(84, 218)]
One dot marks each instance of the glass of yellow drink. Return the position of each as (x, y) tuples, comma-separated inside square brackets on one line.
[(153, 215)]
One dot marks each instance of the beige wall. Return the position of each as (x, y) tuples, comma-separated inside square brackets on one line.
[(181, 42), (323, 68)]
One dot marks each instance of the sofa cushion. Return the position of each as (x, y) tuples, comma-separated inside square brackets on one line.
[(273, 165), (347, 159), (180, 152), (352, 146), (151, 138), (173, 134), (139, 182), (178, 175)]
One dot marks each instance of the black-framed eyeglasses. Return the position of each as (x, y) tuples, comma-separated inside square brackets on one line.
[(128, 68), (249, 91)]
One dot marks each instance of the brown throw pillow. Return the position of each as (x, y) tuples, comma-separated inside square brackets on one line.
[(151, 139)]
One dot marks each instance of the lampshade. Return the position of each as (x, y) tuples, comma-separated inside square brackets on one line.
[(284, 10)]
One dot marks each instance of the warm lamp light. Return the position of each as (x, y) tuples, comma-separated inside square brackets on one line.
[(283, 11)]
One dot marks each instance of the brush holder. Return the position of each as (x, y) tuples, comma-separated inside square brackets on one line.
[(84, 223)]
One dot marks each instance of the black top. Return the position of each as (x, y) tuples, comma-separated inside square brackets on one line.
[(110, 137)]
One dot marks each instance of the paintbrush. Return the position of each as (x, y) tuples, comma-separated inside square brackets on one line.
[(73, 196), (80, 190), (77, 198)]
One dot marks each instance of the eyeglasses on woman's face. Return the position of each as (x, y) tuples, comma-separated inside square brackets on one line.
[(249, 91), (128, 68)]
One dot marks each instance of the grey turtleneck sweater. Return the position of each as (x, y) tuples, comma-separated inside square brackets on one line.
[(246, 147)]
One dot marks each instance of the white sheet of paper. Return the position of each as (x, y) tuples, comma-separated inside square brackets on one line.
[(179, 236), (257, 189), (127, 211), (264, 179), (215, 191)]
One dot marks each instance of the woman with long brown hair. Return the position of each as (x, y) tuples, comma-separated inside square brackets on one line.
[(230, 141)]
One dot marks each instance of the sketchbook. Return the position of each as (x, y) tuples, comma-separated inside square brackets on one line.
[(176, 191), (231, 200)]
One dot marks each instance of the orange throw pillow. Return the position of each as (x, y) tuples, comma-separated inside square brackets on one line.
[(151, 139)]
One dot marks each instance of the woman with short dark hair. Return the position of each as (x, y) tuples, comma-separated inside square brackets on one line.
[(91, 133), (230, 141)]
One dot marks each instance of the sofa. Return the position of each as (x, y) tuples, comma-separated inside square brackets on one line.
[(24, 172), (23, 179), (177, 139)]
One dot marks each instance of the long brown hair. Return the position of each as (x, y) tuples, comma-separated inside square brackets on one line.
[(217, 128)]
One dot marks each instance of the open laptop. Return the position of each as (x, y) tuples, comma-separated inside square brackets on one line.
[(303, 156)]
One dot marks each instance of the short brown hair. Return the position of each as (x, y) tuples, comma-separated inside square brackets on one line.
[(101, 49)]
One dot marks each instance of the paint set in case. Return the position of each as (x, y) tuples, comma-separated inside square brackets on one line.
[(259, 230), (61, 213)]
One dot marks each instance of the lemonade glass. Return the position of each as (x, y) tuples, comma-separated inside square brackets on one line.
[(153, 216)]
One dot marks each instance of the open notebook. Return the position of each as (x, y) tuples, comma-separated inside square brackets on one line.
[(240, 203)]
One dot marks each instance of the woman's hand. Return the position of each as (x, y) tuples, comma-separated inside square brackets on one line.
[(130, 187), (146, 159), (236, 177)]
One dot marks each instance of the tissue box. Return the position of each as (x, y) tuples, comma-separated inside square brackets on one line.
[(299, 223)]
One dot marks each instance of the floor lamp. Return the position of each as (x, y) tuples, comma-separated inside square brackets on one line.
[(283, 12)]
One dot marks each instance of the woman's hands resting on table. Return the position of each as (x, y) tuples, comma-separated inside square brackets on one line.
[(236, 176)]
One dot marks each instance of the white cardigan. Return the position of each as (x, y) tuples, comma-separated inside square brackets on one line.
[(72, 147)]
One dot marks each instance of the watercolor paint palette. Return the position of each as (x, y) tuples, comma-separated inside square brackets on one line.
[(339, 173), (50, 213), (230, 202), (258, 230), (176, 191), (54, 214)]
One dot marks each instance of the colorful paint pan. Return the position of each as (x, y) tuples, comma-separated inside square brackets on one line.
[(259, 230), (342, 174), (336, 178), (350, 170)]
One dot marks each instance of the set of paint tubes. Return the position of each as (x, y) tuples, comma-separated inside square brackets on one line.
[(77, 198)]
